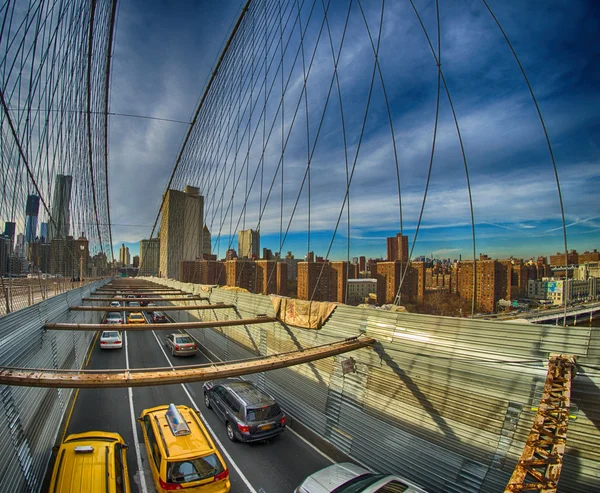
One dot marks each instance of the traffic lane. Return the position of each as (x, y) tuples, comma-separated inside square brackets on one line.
[(277, 466), (105, 409), (94, 409), (148, 354)]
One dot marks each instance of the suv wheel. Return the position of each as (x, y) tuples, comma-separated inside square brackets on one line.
[(206, 400), (231, 433)]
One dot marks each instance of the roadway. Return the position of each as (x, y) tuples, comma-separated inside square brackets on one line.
[(275, 467)]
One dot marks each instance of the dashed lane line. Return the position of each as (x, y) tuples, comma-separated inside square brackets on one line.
[(223, 449), (136, 442)]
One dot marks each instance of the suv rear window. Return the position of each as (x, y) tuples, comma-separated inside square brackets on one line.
[(263, 413), (194, 469)]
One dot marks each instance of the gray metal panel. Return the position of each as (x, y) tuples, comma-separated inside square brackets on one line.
[(33, 415)]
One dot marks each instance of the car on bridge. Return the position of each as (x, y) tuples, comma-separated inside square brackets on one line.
[(249, 413), (182, 453), (350, 478), (136, 318), (111, 339), (115, 304), (180, 344), (159, 317), (91, 461), (113, 318)]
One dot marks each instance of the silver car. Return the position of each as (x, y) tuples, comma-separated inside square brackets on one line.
[(180, 344), (350, 478), (111, 339), (113, 318)]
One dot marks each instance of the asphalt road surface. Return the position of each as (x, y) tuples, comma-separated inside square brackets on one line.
[(274, 467)]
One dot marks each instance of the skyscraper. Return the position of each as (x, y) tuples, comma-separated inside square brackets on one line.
[(31, 210), (181, 230), (9, 231), (61, 201), (248, 243), (44, 233), (149, 257)]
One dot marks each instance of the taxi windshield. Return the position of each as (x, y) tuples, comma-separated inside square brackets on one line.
[(194, 469)]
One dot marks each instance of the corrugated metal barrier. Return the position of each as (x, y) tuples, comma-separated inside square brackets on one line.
[(445, 402), (32, 416)]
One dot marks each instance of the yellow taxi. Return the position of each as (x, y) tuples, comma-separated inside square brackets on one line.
[(136, 318), (91, 462), (181, 453)]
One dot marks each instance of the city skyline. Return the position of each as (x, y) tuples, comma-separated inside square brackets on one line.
[(514, 189)]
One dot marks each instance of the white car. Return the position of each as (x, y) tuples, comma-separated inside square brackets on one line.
[(111, 339), (115, 304), (350, 478)]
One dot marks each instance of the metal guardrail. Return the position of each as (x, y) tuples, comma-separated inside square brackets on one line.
[(18, 293)]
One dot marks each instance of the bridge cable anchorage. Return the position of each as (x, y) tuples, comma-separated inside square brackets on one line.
[(541, 462), (35, 377)]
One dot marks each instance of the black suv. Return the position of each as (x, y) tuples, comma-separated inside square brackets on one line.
[(249, 413)]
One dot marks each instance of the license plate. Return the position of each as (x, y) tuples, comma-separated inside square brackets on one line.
[(265, 427)]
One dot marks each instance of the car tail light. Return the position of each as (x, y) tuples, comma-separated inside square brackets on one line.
[(243, 428), (170, 486), (176, 347), (283, 420), (194, 346), (102, 342), (222, 475)]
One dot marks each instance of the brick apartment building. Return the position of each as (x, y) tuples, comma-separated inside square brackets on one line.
[(202, 272), (323, 281), (389, 275)]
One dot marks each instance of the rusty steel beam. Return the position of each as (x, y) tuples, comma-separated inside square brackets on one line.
[(134, 291), (145, 308), (199, 298), (163, 326), (168, 376), (541, 461)]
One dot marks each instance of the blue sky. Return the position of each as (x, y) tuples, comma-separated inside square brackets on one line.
[(164, 53)]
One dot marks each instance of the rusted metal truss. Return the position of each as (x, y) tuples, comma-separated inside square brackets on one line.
[(137, 290), (168, 376), (180, 298), (165, 326), (541, 461), (146, 308)]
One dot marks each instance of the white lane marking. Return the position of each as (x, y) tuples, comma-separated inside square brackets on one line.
[(235, 466), (136, 442), (293, 431), (311, 445)]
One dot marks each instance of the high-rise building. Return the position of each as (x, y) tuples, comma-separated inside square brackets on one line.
[(123, 255), (389, 275), (31, 210), (20, 246), (61, 200), (44, 233), (149, 257), (206, 246), (248, 244), (9, 232), (397, 248), (181, 230), (136, 261)]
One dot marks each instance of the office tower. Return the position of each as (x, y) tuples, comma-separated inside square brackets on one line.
[(206, 241), (123, 255), (149, 257), (136, 261), (31, 210), (20, 246), (9, 232), (248, 243), (397, 248), (44, 232), (181, 230), (61, 200)]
